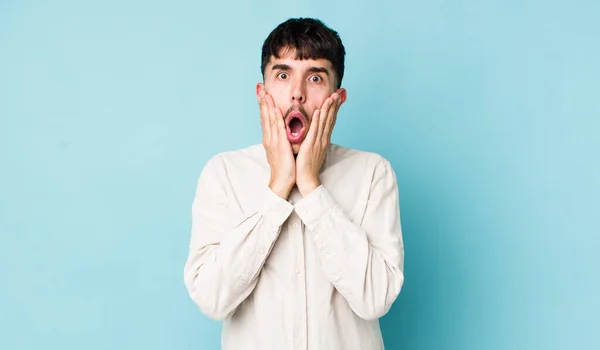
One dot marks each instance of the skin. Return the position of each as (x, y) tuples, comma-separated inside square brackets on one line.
[(308, 86)]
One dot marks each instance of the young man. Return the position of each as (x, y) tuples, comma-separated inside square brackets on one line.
[(296, 242)]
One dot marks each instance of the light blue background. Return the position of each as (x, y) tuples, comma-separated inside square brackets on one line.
[(488, 111)]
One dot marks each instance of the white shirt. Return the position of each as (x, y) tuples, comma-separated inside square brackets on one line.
[(310, 273)]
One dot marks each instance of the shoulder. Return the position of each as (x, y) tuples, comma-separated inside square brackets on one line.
[(353, 157), (247, 157), (359, 165)]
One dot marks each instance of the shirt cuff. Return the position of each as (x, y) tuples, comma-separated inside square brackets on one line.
[(314, 206), (275, 208)]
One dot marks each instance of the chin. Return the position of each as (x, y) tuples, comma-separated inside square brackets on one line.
[(296, 148)]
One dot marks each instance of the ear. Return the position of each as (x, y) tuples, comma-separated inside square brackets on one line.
[(343, 95), (260, 89)]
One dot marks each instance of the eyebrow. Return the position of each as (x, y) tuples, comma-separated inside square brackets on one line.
[(311, 69), (281, 67), (319, 70)]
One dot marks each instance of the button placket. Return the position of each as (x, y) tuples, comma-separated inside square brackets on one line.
[(301, 283), (300, 329)]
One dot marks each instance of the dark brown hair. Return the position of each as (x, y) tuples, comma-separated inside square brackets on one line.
[(311, 39)]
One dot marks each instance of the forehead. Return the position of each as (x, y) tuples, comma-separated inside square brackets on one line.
[(287, 57)]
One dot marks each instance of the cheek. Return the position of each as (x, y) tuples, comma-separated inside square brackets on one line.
[(280, 101), (314, 106), (275, 90), (318, 97), (318, 94)]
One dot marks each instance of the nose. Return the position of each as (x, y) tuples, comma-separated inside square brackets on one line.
[(298, 95)]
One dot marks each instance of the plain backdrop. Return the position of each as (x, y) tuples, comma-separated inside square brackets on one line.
[(488, 111)]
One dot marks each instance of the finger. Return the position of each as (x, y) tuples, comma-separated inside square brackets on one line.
[(271, 110), (277, 126), (271, 121), (323, 118), (332, 112), (261, 99), (264, 116), (331, 118), (280, 125), (313, 129)]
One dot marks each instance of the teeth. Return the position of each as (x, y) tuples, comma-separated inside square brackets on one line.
[(294, 134)]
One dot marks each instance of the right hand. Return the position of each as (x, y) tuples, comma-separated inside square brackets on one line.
[(279, 150)]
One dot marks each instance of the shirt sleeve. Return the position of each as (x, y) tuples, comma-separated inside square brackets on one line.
[(227, 248), (365, 262)]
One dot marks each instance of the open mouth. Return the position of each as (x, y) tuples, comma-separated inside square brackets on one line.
[(295, 127)]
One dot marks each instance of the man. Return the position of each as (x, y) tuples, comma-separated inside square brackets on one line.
[(296, 242)]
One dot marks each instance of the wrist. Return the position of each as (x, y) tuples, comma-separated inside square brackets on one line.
[(281, 188), (307, 186)]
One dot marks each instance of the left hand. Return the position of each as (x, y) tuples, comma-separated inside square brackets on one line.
[(312, 151)]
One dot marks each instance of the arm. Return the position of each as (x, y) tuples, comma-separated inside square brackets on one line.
[(228, 249), (364, 262)]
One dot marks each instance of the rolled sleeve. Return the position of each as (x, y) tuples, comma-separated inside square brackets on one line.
[(274, 208), (314, 206)]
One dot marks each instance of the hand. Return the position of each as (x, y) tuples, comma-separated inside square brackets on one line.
[(313, 150), (279, 150)]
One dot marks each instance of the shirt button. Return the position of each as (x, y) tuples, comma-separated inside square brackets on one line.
[(297, 271), (295, 224)]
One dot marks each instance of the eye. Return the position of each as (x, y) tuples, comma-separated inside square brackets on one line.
[(282, 75), (316, 79)]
